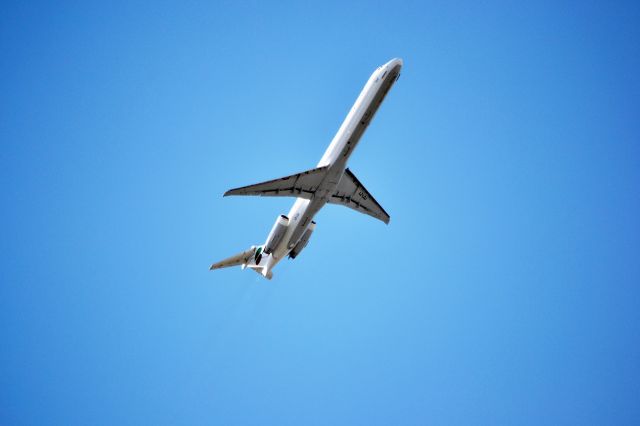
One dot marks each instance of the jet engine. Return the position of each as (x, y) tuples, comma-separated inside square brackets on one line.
[(303, 241), (276, 234)]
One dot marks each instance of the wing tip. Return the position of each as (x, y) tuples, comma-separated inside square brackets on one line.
[(235, 191)]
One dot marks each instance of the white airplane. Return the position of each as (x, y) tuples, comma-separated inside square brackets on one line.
[(329, 182)]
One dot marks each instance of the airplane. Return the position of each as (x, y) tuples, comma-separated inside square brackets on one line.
[(329, 182)]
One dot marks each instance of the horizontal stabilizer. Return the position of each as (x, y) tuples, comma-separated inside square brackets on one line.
[(351, 193), (238, 259), (300, 185), (254, 258)]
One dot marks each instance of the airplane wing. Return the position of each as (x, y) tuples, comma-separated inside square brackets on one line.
[(238, 259), (301, 185), (351, 193)]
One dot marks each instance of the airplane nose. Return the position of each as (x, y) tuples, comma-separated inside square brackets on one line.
[(393, 63)]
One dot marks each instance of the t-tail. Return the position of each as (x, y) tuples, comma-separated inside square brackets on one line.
[(254, 258)]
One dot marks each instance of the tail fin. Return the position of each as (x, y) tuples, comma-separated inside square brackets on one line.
[(260, 270)]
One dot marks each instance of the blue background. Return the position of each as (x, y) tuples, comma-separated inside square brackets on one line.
[(504, 291)]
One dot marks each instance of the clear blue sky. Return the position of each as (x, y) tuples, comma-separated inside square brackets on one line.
[(506, 289)]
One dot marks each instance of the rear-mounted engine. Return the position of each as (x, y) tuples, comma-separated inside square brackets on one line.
[(276, 234), (303, 241)]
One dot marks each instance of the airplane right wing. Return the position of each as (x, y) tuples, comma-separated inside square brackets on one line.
[(351, 193), (301, 185)]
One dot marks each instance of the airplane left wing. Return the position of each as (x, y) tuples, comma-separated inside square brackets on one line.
[(301, 185), (351, 193)]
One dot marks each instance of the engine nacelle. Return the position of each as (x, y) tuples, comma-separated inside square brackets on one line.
[(276, 234), (303, 241)]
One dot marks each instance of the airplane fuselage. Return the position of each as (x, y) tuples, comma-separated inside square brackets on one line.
[(336, 157)]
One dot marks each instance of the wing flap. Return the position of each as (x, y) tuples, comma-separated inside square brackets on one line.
[(351, 193), (300, 185)]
